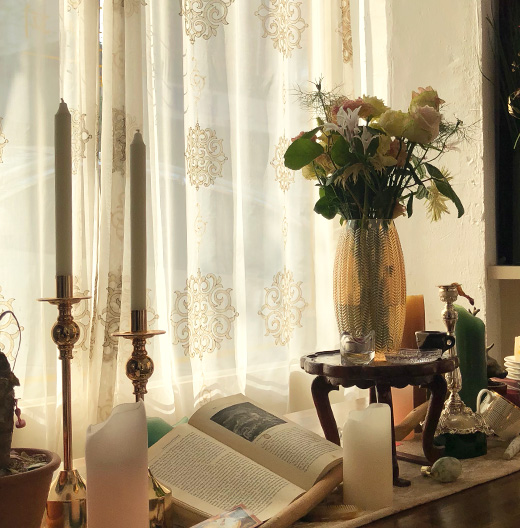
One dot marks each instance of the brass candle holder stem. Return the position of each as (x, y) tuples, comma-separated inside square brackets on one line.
[(66, 504), (139, 369), (139, 366)]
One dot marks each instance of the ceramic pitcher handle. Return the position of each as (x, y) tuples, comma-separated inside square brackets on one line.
[(479, 397)]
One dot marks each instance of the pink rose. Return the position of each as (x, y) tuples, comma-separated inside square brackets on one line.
[(425, 125), (346, 104), (352, 104), (398, 152)]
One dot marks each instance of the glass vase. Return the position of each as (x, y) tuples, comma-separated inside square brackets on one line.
[(370, 284)]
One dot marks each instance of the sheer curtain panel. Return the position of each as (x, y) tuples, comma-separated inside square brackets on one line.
[(239, 266)]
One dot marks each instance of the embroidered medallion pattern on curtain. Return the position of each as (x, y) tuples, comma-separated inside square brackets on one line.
[(239, 267)]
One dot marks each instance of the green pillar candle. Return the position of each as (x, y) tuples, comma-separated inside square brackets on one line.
[(470, 335), (157, 428)]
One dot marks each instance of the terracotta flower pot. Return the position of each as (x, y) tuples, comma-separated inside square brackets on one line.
[(23, 496)]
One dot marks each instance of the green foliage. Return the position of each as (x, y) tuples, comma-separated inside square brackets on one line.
[(301, 152), (369, 160)]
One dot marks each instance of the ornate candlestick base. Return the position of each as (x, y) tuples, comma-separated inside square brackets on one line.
[(139, 368), (67, 501), (456, 417)]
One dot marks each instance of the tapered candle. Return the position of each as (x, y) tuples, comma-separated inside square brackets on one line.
[(63, 189), (367, 458), (138, 222)]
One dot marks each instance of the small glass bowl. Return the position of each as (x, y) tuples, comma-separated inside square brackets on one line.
[(407, 356)]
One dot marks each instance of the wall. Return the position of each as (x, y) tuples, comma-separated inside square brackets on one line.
[(443, 44)]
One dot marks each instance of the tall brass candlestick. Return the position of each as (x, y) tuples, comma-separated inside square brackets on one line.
[(67, 501), (139, 369), (456, 417)]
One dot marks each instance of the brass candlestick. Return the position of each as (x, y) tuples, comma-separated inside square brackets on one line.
[(139, 369), (67, 502), (456, 417)]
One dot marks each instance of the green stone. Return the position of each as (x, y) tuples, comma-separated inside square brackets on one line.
[(446, 469)]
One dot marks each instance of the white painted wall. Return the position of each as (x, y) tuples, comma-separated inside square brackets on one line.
[(442, 44)]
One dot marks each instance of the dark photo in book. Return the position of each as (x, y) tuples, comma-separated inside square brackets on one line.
[(246, 420)]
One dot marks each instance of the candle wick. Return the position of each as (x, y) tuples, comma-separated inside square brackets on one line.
[(62, 100)]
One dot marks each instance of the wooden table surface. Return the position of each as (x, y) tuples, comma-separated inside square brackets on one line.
[(495, 504)]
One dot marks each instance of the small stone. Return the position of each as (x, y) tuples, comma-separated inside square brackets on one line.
[(446, 469)]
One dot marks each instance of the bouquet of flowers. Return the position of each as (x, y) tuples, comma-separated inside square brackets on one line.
[(371, 162)]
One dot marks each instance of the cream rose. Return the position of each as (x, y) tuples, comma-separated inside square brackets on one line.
[(424, 127), (372, 107), (425, 97), (394, 122)]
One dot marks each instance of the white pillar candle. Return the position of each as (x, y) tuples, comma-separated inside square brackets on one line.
[(116, 457), (517, 348), (300, 395), (63, 189), (367, 458), (138, 222)]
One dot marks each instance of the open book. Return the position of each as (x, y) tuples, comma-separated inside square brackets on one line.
[(232, 451)]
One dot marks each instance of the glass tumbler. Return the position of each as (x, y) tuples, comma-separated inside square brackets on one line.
[(357, 350)]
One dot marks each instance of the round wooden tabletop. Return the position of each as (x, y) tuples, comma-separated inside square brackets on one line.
[(328, 363)]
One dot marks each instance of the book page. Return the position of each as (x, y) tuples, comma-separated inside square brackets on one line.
[(296, 454), (212, 478)]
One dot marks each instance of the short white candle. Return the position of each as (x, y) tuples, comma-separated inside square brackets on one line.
[(138, 222), (367, 458), (63, 189), (116, 456)]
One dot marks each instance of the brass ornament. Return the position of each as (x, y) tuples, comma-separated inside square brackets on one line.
[(456, 417), (67, 502), (139, 368)]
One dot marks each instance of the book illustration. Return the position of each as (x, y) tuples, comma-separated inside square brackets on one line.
[(238, 517), (246, 420)]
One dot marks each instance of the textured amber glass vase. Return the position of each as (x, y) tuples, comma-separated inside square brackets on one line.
[(370, 283)]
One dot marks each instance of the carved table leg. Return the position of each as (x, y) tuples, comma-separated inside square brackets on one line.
[(438, 394), (384, 395), (320, 394)]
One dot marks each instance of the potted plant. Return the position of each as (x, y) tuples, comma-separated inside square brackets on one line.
[(25, 474)]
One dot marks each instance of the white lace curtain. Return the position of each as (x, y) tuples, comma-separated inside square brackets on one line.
[(239, 267)]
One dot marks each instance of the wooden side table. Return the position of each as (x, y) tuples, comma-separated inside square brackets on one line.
[(380, 377)]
